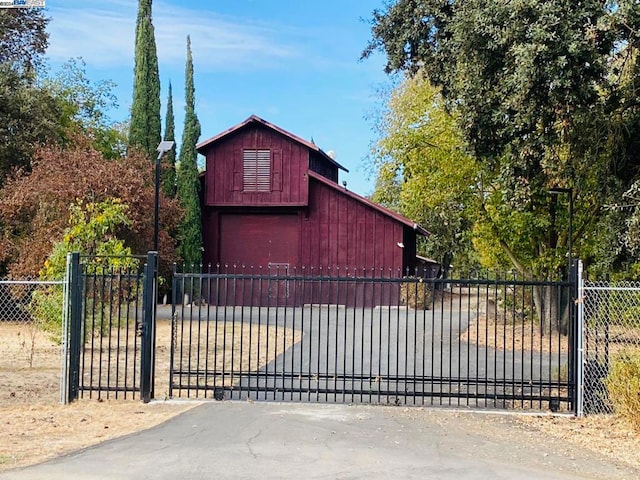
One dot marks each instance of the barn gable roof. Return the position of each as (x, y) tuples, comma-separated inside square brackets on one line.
[(385, 211), (202, 147)]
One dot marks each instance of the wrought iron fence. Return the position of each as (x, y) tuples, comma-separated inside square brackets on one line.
[(32, 313), (111, 326), (283, 334), (611, 334)]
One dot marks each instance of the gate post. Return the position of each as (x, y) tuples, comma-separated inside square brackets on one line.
[(75, 327), (575, 337), (579, 406), (148, 327)]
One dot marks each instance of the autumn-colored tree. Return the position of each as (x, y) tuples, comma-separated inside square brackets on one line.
[(34, 207)]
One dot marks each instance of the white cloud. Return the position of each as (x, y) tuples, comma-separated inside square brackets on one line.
[(104, 36)]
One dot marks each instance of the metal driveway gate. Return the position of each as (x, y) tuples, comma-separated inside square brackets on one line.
[(352, 336), (111, 326)]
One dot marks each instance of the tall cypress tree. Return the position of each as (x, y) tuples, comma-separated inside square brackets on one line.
[(144, 131), (169, 160), (190, 229)]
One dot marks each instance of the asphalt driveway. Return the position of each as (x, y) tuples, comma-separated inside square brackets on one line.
[(228, 440), (380, 355)]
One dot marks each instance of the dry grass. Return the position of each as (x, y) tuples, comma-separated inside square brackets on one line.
[(501, 335), (231, 348), (603, 434)]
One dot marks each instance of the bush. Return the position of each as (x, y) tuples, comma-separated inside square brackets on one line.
[(416, 293), (623, 386), (46, 308)]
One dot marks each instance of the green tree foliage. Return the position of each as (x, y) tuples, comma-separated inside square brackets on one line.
[(23, 38), (169, 159), (29, 117), (424, 171), (542, 93), (93, 230), (83, 106), (190, 229), (144, 130), (53, 111)]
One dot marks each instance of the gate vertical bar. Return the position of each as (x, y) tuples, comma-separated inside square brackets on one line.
[(75, 328), (147, 327)]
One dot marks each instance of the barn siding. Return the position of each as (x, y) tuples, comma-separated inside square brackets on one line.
[(289, 184), (210, 241), (342, 232), (322, 167)]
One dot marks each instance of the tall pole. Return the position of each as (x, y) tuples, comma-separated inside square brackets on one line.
[(569, 192), (156, 217), (570, 241), (162, 149)]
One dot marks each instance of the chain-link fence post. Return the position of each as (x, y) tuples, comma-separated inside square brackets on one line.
[(579, 387)]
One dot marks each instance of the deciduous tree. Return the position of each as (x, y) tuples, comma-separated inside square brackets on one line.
[(540, 93), (424, 170), (34, 207), (23, 38)]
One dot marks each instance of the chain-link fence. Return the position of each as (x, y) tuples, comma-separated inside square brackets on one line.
[(31, 325), (611, 336)]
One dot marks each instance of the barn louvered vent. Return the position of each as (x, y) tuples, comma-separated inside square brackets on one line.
[(257, 170)]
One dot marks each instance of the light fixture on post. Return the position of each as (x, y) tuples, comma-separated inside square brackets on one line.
[(569, 192), (164, 147)]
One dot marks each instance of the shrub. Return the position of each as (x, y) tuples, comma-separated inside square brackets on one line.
[(46, 308), (623, 386), (92, 231), (416, 293)]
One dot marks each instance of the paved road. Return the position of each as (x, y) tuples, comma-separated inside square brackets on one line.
[(236, 440)]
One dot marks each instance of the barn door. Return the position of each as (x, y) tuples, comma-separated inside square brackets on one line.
[(279, 287)]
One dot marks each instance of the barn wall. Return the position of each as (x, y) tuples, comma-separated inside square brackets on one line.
[(210, 241), (321, 166), (338, 230), (289, 166)]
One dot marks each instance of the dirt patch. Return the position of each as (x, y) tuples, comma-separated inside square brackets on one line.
[(523, 336), (34, 426), (602, 434), (35, 433), (29, 366)]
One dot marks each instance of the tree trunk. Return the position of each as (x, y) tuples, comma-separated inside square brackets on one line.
[(551, 311)]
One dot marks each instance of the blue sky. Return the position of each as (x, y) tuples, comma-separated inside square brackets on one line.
[(293, 63)]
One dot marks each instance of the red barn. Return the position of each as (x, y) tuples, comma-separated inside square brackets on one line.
[(271, 198)]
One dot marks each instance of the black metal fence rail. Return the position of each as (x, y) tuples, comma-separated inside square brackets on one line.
[(486, 343)]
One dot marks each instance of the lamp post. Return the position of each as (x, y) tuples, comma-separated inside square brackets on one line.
[(569, 192), (162, 149)]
